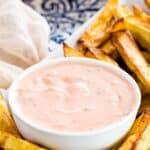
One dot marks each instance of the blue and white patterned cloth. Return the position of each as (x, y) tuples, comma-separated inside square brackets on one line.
[(64, 16)]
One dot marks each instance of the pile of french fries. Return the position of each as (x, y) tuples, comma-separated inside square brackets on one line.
[(121, 36)]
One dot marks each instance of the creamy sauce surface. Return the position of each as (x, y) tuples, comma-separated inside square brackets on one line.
[(74, 96)]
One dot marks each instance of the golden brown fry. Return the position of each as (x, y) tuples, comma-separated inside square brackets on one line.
[(138, 134), (69, 51), (10, 142), (138, 24), (147, 2), (140, 30), (103, 57), (132, 56), (96, 37), (119, 25), (108, 47), (97, 33), (6, 122), (94, 53), (144, 141)]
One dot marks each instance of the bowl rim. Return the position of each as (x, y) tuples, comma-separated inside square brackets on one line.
[(45, 62)]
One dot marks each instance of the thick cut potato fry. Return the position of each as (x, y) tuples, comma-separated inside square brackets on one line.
[(108, 47), (69, 51), (132, 56), (97, 33), (93, 53), (119, 25), (10, 142), (6, 122), (140, 30), (103, 57), (139, 134), (144, 141), (138, 27)]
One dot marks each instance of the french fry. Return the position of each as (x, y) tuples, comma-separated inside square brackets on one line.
[(140, 30), (97, 33), (93, 53), (69, 51), (98, 36), (119, 25), (138, 134), (108, 47), (132, 56), (6, 122), (144, 141), (122, 12), (10, 142), (103, 57), (138, 24)]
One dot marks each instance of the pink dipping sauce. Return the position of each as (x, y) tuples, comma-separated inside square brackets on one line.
[(73, 96)]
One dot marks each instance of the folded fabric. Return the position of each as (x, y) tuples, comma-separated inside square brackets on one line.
[(23, 34), (8, 73)]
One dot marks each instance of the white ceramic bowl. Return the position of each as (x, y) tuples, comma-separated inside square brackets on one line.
[(91, 140)]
